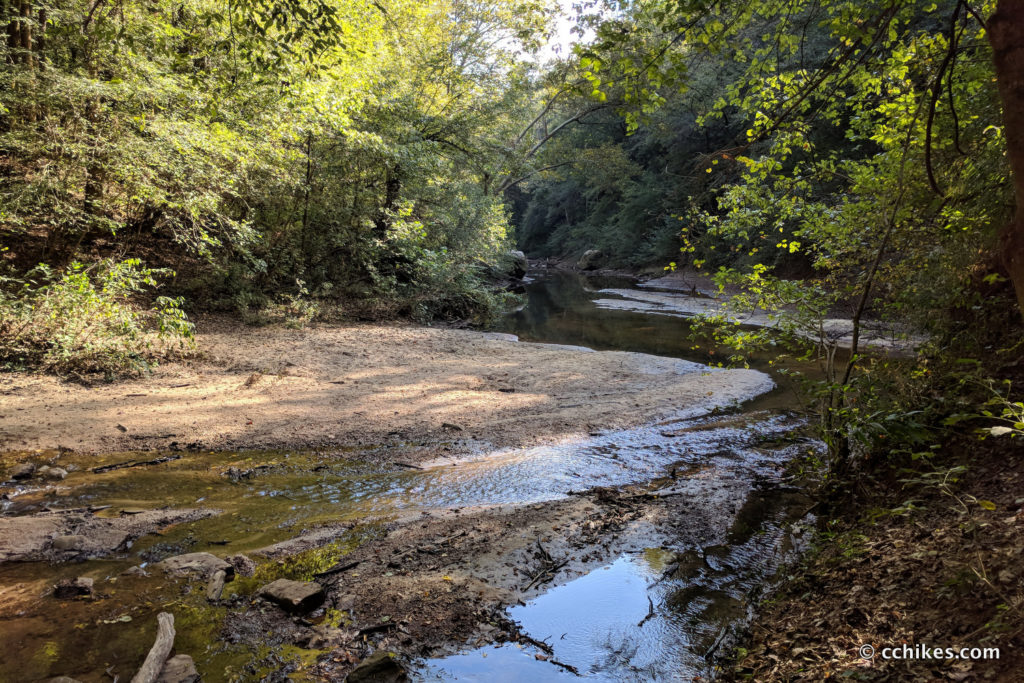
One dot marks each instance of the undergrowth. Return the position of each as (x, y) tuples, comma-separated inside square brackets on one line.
[(86, 319)]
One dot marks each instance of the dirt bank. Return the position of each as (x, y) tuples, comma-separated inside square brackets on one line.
[(327, 386)]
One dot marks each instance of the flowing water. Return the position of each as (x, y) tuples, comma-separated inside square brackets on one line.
[(655, 614)]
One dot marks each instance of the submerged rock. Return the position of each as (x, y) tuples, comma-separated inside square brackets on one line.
[(73, 588), (201, 564), (294, 596), (179, 669), (62, 679), (380, 667)]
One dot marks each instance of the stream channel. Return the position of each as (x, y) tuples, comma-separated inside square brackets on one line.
[(663, 609)]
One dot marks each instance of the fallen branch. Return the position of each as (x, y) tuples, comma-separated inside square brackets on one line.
[(650, 612), (157, 657), (134, 463), (338, 568)]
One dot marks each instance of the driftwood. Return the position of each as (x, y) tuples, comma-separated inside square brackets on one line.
[(161, 650)]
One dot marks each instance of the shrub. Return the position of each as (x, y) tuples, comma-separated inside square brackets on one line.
[(85, 320)]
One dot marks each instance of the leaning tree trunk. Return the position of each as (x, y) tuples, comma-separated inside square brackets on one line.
[(1006, 35)]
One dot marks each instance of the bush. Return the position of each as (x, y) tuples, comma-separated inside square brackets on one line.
[(84, 320)]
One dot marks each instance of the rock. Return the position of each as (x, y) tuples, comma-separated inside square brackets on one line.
[(294, 596), (74, 542), (590, 260), (380, 667), (324, 637), (73, 588), (202, 564), (54, 473), (22, 471), (62, 679), (32, 538), (242, 564), (135, 571), (215, 588), (179, 669), (517, 268)]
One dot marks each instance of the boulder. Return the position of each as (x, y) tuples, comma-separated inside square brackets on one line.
[(73, 542), (380, 667), (179, 669), (518, 265), (73, 588), (294, 596), (590, 260), (200, 564), (22, 471)]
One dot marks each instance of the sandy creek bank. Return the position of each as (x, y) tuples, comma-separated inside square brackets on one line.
[(345, 386), (426, 478)]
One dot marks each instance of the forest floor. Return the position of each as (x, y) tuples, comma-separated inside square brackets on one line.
[(928, 559)]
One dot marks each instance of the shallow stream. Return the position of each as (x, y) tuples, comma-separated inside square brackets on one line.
[(660, 613)]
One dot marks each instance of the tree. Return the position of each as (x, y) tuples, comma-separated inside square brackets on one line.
[(787, 91)]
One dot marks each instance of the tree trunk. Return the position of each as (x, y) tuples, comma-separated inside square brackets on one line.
[(25, 42), (392, 191), (1006, 35)]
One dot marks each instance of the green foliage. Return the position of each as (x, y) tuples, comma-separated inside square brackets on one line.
[(276, 154), (84, 320)]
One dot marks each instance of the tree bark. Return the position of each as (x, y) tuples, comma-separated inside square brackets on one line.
[(392, 191), (1005, 29), (25, 42)]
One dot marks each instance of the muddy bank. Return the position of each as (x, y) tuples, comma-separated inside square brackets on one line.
[(343, 386)]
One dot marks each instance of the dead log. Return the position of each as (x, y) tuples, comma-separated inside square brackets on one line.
[(161, 650)]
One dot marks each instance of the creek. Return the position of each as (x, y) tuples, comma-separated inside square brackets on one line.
[(662, 611)]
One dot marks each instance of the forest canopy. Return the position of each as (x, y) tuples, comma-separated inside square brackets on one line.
[(386, 157)]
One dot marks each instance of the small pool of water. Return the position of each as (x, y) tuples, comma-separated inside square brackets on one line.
[(657, 615)]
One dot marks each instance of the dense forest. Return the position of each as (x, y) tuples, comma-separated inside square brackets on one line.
[(335, 161)]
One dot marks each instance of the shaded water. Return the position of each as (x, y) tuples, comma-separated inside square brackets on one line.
[(266, 497), (567, 308)]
